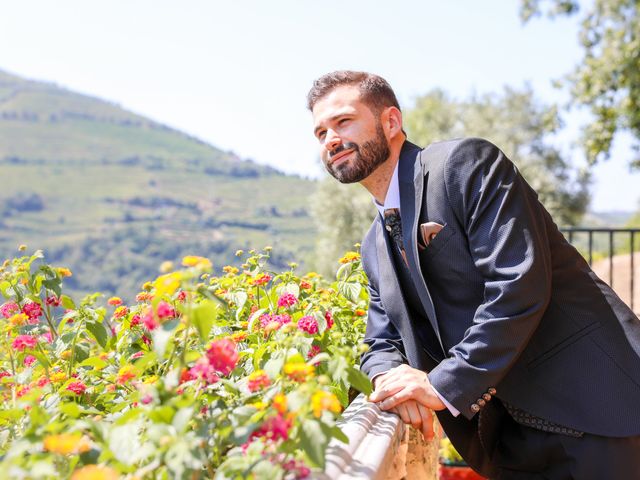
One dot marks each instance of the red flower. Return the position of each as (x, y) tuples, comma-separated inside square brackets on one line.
[(32, 310), (150, 321), (53, 301), (329, 318), (223, 356), (135, 320), (24, 341), (266, 319), (204, 370), (287, 300), (258, 380), (77, 387), (304, 285), (308, 324), (262, 279), (313, 351), (182, 296)]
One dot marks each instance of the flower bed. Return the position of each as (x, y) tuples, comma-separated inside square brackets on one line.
[(242, 374)]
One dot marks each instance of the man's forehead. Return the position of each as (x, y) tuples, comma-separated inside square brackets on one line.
[(339, 101)]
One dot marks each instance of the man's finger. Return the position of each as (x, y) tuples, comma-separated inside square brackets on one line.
[(414, 414), (384, 392), (403, 413), (427, 422)]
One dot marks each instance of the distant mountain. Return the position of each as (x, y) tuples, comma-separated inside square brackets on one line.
[(112, 194)]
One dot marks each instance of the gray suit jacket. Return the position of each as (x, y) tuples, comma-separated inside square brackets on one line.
[(513, 306)]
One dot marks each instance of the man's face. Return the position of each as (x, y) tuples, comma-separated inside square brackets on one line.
[(352, 141)]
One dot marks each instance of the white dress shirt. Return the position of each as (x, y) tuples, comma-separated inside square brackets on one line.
[(392, 200)]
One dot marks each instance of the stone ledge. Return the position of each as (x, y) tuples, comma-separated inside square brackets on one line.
[(380, 447)]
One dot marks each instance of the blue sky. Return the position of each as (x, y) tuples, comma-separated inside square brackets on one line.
[(236, 73)]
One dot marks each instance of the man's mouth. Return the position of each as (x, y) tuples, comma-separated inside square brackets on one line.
[(340, 156)]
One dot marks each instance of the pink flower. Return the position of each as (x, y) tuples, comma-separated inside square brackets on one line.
[(204, 370), (77, 387), (147, 399), (24, 341), (53, 301), (258, 380), (4, 374), (308, 324), (29, 360), (47, 337), (43, 380), (274, 428), (329, 318), (298, 468), (32, 310), (266, 319), (146, 340), (135, 320), (223, 356), (149, 320), (182, 296), (165, 310), (313, 351), (9, 309), (287, 300), (137, 355), (262, 279)]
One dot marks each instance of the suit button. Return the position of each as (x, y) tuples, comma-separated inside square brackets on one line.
[(481, 402), (486, 396), (388, 227), (491, 391), (475, 407)]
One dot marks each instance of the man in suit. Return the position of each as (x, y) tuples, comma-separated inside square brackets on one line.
[(479, 308)]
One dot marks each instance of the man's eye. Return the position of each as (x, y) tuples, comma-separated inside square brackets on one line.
[(321, 135), (343, 121)]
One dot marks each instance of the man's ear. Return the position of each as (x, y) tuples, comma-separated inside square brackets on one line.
[(392, 120)]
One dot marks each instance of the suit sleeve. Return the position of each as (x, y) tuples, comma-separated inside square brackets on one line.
[(385, 344), (503, 221)]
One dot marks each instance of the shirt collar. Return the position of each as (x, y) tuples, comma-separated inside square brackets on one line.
[(392, 200)]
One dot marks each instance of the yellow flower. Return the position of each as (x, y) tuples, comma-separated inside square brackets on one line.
[(64, 272), (195, 261), (22, 248), (298, 372), (350, 257), (66, 443), (259, 405), (321, 401), (58, 377), (239, 252), (147, 286), (66, 355), (230, 269), (18, 319), (280, 403), (151, 379), (95, 472), (166, 267), (168, 283)]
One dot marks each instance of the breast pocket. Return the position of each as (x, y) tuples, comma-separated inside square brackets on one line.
[(439, 241)]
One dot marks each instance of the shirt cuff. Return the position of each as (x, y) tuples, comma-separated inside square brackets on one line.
[(454, 411)]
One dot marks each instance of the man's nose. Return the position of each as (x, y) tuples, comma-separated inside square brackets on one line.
[(332, 140)]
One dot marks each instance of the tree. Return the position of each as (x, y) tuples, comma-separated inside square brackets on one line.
[(519, 125), (342, 214), (607, 80)]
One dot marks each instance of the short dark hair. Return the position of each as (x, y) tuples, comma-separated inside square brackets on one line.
[(375, 91)]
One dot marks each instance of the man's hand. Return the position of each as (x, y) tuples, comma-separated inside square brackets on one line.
[(417, 415), (404, 383)]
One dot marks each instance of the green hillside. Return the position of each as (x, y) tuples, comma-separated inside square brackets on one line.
[(111, 194)]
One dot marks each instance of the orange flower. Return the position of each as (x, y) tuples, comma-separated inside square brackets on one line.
[(126, 373), (66, 355), (115, 301), (298, 372), (95, 472), (239, 337), (350, 257), (18, 319), (66, 443), (280, 403), (120, 312), (58, 377), (64, 272), (321, 401), (359, 312)]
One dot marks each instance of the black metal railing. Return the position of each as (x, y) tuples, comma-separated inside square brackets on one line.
[(609, 243)]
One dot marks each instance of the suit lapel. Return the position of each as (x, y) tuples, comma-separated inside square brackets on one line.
[(411, 179), (393, 300)]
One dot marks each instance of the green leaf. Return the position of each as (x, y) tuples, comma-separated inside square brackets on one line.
[(274, 366), (71, 409), (67, 302), (350, 290), (145, 361), (203, 317), (99, 332), (313, 441), (359, 380), (95, 362), (335, 432)]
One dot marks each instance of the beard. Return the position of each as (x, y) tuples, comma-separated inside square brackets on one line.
[(366, 158)]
